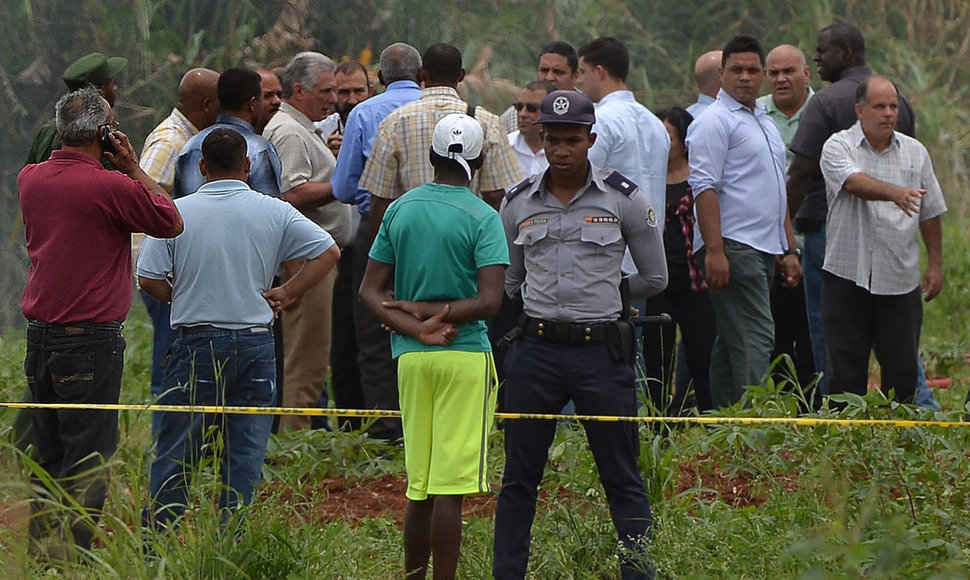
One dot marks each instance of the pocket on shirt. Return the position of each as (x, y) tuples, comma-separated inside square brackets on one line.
[(602, 248), (529, 235)]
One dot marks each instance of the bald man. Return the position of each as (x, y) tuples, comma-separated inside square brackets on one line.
[(197, 108), (788, 78), (708, 81)]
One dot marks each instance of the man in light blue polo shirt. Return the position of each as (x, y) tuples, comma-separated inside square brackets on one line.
[(737, 171), (222, 267)]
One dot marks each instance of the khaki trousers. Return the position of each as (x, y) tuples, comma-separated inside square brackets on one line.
[(306, 351)]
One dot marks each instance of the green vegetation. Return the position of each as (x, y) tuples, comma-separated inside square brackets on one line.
[(920, 43), (729, 501)]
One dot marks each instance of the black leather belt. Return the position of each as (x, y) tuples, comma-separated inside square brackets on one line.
[(209, 328), (75, 327), (566, 332)]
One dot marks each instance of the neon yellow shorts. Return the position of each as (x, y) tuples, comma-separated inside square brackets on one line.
[(447, 406)]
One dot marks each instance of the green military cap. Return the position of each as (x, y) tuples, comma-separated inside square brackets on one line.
[(94, 69)]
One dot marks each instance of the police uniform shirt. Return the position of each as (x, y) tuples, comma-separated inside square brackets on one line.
[(565, 260)]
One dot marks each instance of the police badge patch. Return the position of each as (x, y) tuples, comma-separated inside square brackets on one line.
[(651, 218), (560, 106)]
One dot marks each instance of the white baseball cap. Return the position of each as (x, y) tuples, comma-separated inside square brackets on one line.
[(459, 137)]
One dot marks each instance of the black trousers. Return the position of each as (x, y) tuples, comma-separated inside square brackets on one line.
[(792, 336), (378, 369), (77, 363), (540, 378), (856, 322), (693, 313), (345, 375)]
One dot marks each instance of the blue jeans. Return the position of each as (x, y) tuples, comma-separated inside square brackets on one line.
[(162, 338), (219, 367), (74, 363), (813, 256), (541, 377)]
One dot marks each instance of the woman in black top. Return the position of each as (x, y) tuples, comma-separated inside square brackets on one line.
[(686, 296)]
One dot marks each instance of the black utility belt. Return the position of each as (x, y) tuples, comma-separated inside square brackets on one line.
[(567, 332)]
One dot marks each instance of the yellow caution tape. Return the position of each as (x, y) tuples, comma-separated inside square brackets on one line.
[(704, 420)]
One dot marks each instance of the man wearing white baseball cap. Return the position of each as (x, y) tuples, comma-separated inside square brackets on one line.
[(443, 251)]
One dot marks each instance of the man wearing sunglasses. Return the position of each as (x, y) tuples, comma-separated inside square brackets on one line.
[(526, 141)]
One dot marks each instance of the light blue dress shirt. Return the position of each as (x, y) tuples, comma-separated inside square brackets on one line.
[(703, 102), (265, 168), (359, 133), (739, 154), (632, 140)]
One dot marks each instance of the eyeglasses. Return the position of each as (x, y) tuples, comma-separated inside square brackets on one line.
[(112, 126), (531, 107)]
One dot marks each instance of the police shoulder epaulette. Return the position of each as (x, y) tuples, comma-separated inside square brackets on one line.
[(520, 187), (617, 180)]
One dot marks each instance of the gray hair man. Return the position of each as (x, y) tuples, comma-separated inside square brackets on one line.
[(309, 93)]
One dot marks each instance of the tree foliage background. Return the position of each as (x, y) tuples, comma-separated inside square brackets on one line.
[(922, 44)]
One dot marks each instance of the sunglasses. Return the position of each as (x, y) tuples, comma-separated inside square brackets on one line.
[(531, 107)]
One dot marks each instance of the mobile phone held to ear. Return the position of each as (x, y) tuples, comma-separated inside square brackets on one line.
[(106, 143)]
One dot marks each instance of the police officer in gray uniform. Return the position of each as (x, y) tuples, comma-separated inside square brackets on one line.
[(567, 231)]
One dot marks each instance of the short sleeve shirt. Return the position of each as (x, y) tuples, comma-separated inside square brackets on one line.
[(437, 237), (399, 158), (833, 109), (565, 259), (874, 243)]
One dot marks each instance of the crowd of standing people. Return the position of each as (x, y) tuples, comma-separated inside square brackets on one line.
[(415, 252)]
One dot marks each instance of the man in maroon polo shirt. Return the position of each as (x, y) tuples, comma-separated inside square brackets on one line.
[(78, 219)]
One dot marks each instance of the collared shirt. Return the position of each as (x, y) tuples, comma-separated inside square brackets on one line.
[(78, 220), (307, 159), (359, 134), (530, 162), (874, 243), (163, 145), (399, 160), (739, 154), (264, 163), (833, 109), (632, 140), (703, 102), (786, 126), (565, 260), (510, 120), (234, 240)]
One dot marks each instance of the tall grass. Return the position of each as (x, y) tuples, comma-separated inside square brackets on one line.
[(728, 501)]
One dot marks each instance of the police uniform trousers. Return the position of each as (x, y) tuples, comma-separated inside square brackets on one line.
[(541, 376)]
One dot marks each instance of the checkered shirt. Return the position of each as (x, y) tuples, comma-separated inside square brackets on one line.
[(874, 243), (399, 159), (163, 146)]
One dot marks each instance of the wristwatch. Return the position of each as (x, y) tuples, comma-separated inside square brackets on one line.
[(793, 252)]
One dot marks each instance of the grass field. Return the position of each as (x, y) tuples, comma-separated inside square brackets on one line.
[(729, 501)]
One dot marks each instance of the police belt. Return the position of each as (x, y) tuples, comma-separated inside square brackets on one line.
[(566, 332)]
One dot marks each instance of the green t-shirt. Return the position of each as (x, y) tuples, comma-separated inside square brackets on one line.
[(437, 237)]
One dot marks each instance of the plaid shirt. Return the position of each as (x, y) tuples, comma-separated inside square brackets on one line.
[(399, 159), (874, 243), (163, 146)]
